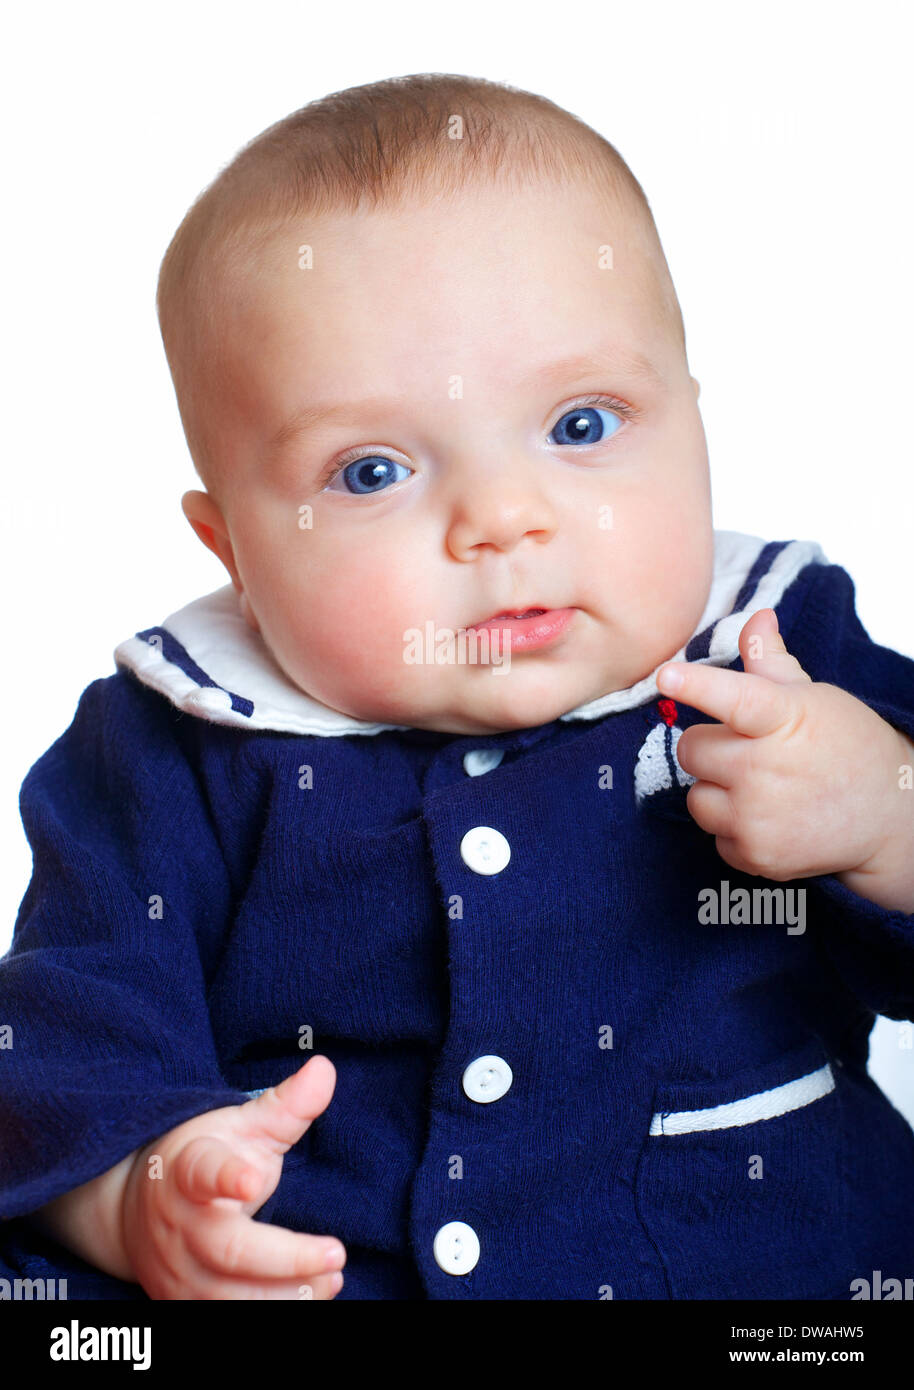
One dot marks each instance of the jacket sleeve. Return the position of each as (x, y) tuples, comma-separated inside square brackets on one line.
[(105, 1035), (871, 947)]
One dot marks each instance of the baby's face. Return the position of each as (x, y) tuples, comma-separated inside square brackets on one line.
[(495, 475)]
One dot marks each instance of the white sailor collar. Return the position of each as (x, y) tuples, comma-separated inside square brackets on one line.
[(208, 662)]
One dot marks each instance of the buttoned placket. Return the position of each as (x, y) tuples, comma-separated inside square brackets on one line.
[(486, 1079)]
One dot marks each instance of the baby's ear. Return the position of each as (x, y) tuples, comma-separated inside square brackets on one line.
[(697, 388), (207, 521)]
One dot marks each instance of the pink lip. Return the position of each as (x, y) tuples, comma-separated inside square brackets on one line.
[(526, 634)]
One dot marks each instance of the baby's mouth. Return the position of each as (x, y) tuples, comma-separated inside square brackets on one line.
[(528, 630), (498, 617), (528, 613)]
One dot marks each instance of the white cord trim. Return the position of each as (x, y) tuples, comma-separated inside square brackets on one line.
[(765, 1105)]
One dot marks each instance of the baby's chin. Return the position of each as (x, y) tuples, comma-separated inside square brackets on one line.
[(495, 702)]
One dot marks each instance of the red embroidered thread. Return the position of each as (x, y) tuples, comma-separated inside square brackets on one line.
[(668, 711)]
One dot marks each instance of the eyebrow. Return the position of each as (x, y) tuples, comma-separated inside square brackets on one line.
[(621, 362)]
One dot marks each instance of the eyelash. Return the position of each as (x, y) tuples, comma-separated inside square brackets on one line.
[(620, 408)]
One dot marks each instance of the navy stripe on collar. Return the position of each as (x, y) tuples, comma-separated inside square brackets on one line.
[(172, 651), (700, 645)]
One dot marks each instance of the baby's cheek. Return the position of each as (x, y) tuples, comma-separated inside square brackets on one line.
[(354, 643), (655, 600)]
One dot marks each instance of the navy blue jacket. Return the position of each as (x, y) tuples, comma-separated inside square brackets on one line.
[(553, 1079)]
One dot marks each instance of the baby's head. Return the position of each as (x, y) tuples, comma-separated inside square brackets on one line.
[(431, 368)]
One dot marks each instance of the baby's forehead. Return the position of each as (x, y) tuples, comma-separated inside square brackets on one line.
[(257, 269), (254, 267)]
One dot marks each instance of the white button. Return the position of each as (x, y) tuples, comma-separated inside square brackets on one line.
[(456, 1248), (488, 1078), (485, 850), (482, 760)]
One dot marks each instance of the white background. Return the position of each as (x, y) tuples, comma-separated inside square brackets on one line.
[(773, 142)]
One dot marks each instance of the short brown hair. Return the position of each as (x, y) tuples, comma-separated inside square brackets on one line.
[(379, 144)]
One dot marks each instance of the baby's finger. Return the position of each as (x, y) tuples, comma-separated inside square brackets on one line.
[(207, 1168), (281, 1115), (315, 1288), (249, 1249)]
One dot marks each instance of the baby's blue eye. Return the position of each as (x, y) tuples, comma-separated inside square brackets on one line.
[(371, 473), (582, 425)]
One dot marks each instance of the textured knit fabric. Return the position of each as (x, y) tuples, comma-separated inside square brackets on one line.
[(204, 893)]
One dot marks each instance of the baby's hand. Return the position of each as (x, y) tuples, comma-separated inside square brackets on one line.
[(190, 1234), (797, 779)]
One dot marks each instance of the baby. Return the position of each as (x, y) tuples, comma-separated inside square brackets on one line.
[(572, 838)]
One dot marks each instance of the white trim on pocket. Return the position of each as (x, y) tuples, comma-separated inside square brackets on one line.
[(765, 1105)]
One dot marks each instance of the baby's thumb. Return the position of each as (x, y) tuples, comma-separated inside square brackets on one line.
[(281, 1115)]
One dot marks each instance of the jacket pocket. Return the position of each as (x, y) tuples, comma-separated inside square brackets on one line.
[(740, 1182)]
